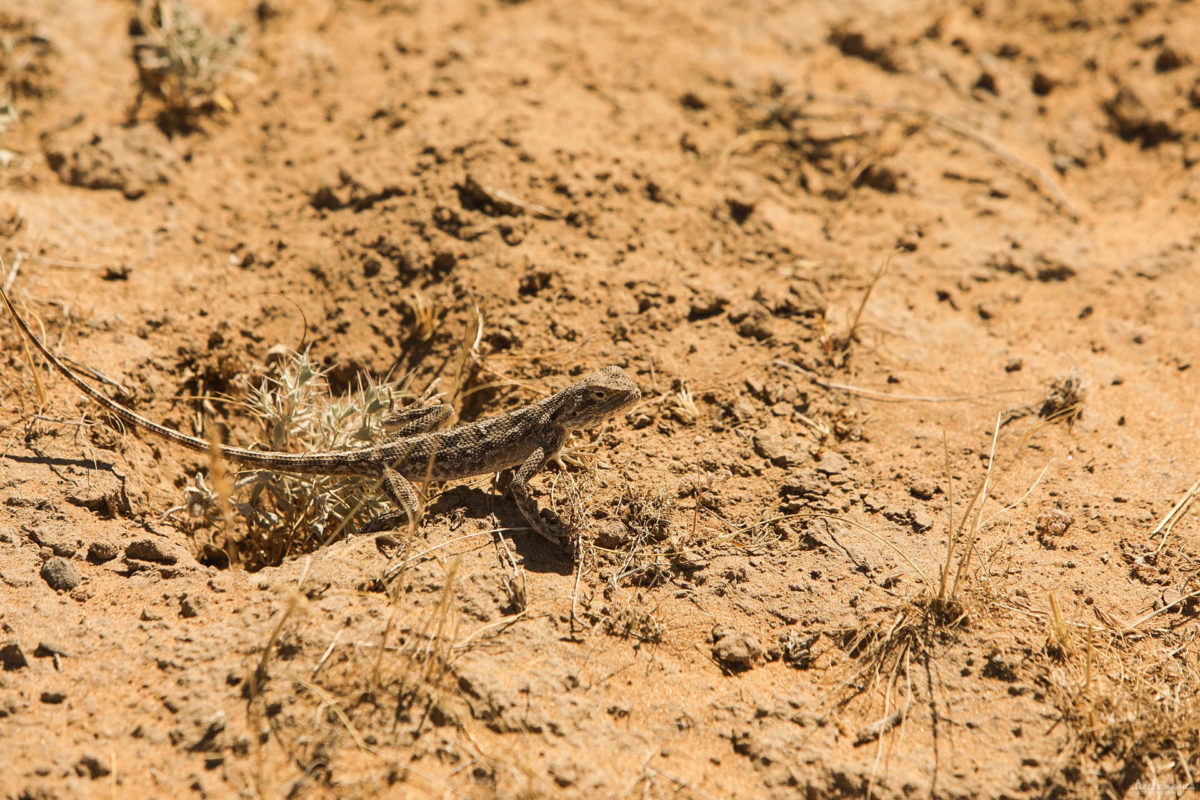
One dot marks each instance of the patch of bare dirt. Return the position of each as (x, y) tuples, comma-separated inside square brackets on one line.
[(909, 289)]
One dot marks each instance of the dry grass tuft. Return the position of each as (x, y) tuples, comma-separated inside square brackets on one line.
[(1132, 709), (946, 604), (631, 619), (1064, 400), (647, 511), (391, 688), (182, 63), (1058, 638), (282, 514), (837, 339)]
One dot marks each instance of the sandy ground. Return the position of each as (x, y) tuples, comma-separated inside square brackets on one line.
[(872, 532)]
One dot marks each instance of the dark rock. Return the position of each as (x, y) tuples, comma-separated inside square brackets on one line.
[(1051, 270), (1042, 84), (12, 657), (740, 208), (857, 44), (1169, 59), (90, 766), (60, 574)]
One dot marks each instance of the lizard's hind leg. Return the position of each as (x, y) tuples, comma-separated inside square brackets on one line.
[(407, 499)]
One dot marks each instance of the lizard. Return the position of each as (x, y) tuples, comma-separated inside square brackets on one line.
[(414, 450)]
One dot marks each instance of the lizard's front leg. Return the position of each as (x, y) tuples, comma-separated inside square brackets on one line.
[(552, 441)]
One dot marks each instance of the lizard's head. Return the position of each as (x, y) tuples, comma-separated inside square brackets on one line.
[(595, 398)]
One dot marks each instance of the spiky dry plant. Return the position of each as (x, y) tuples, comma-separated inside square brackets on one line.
[(278, 514), (682, 407)]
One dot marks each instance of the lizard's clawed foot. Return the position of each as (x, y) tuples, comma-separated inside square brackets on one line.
[(388, 522), (550, 527)]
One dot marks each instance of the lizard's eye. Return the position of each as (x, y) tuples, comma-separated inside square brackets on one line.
[(599, 394)]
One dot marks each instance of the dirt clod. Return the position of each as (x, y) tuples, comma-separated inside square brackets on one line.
[(1051, 524), (920, 520), (832, 463), (735, 650), (155, 550), (129, 161), (101, 552), (771, 445), (923, 489), (1134, 120)]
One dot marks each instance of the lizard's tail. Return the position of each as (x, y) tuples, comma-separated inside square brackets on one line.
[(319, 463)]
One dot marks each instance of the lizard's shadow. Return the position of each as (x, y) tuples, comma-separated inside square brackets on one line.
[(63, 461), (539, 555)]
